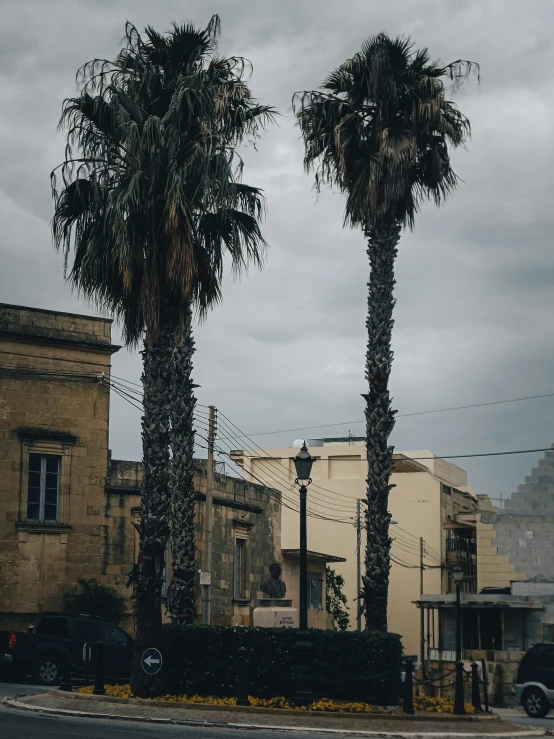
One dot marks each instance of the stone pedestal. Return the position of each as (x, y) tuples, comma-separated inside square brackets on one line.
[(276, 613)]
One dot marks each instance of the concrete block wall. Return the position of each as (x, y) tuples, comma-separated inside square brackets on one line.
[(524, 529), (515, 543), (494, 569)]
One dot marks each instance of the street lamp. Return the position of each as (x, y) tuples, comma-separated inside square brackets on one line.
[(458, 575), (303, 695)]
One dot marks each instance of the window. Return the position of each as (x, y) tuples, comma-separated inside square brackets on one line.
[(86, 630), (547, 633), (446, 489), (315, 591), (240, 568), (53, 627), (114, 637), (43, 488)]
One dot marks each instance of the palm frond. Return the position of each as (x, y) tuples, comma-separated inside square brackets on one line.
[(150, 198), (380, 127)]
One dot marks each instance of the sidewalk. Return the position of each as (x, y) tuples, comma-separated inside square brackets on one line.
[(428, 725)]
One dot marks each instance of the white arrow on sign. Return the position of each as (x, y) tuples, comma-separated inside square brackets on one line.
[(152, 661)]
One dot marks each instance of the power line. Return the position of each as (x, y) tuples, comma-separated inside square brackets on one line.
[(242, 435), (410, 552), (262, 460), (294, 510), (283, 481), (417, 538), (130, 399), (408, 415), (485, 454), (264, 484)]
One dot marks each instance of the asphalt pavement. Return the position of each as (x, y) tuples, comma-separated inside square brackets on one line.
[(10, 690), (519, 717), (14, 722), (36, 726)]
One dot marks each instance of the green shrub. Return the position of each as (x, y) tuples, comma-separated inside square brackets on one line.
[(95, 599), (346, 664)]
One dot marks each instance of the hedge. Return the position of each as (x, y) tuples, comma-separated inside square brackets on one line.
[(346, 664)]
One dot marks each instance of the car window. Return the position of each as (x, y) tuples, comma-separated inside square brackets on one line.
[(52, 626), (548, 654), (86, 630), (114, 637)]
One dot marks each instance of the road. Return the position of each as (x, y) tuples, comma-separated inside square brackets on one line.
[(37, 726), (17, 723), (519, 717)]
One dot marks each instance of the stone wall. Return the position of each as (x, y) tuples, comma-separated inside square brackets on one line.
[(52, 402), (241, 510)]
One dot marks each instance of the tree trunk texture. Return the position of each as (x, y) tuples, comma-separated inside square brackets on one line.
[(148, 573), (181, 600), (382, 250)]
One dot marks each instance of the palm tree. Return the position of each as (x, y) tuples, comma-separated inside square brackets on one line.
[(379, 129), (151, 201)]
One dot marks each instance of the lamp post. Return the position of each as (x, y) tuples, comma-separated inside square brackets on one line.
[(458, 575), (303, 695)]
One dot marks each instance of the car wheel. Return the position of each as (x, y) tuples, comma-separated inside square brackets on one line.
[(48, 670), (535, 703)]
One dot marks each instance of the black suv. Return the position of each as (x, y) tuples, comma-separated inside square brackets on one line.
[(535, 681), (41, 653)]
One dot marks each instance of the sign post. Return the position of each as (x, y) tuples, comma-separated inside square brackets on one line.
[(151, 661)]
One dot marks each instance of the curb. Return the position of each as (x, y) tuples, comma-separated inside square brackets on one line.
[(253, 710), (15, 703)]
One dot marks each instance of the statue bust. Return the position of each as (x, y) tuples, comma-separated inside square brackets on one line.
[(274, 587)]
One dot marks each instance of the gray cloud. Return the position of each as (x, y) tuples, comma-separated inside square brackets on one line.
[(286, 347)]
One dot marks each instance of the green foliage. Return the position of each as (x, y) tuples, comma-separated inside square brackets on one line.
[(380, 127), (149, 199), (202, 659), (90, 596), (336, 599)]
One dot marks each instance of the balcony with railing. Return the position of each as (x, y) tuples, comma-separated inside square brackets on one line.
[(461, 551)]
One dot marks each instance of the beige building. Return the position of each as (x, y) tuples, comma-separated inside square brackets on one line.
[(67, 508), (429, 493)]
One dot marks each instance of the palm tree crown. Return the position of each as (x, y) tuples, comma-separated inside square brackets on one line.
[(153, 199), (379, 130)]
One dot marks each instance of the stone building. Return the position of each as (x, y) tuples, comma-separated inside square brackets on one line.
[(512, 607), (67, 508)]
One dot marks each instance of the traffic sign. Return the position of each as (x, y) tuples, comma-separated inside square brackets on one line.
[(87, 653), (151, 661)]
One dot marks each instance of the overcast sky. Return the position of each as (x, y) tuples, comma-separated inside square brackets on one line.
[(286, 347)]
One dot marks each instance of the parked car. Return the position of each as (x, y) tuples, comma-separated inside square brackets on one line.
[(41, 653), (534, 688)]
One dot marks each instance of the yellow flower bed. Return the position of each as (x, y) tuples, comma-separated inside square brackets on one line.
[(325, 704), (428, 704)]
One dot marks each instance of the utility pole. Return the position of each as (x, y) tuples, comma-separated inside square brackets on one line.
[(358, 563), (209, 517), (421, 610)]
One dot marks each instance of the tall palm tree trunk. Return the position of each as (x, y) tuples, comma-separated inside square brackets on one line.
[(147, 574), (181, 596), (382, 250)]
